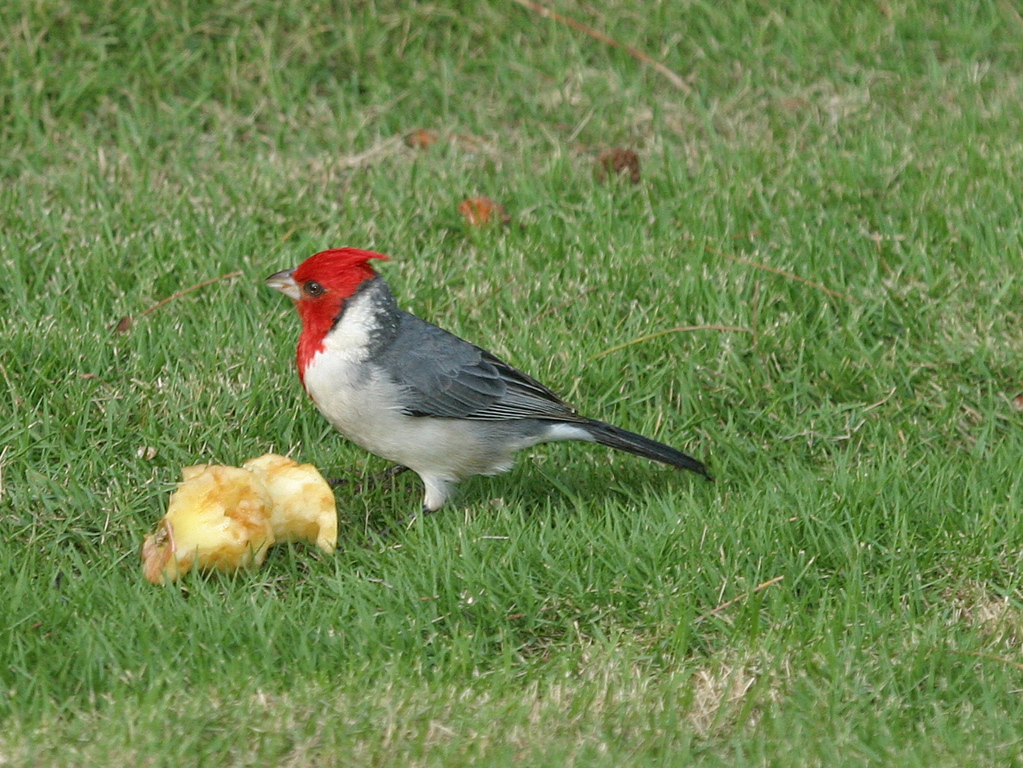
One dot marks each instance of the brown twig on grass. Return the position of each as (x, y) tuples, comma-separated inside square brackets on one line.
[(673, 77), (125, 323), (680, 329), (776, 271), (741, 597)]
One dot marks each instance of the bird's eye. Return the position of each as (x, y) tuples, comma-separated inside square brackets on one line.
[(313, 288)]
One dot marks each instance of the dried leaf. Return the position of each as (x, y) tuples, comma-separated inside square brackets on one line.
[(618, 161), (421, 139), (481, 211)]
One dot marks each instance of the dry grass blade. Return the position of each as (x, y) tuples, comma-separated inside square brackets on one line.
[(126, 322), (3, 457), (673, 77), (988, 656), (1009, 12), (740, 598), (776, 271), (380, 148), (680, 329), (189, 289)]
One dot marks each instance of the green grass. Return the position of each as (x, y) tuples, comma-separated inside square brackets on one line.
[(573, 611)]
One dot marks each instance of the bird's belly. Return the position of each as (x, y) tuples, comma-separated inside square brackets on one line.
[(363, 407)]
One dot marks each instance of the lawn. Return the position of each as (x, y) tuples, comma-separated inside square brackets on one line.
[(814, 286)]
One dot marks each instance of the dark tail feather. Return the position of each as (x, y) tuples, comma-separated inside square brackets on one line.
[(630, 442)]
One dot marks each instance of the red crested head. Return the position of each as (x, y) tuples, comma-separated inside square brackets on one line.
[(319, 287), (340, 270)]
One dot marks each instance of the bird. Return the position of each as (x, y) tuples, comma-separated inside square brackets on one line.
[(415, 394)]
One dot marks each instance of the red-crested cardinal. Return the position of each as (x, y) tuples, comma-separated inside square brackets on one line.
[(417, 395)]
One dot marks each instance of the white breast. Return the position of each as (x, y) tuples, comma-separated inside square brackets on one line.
[(345, 385), (363, 403), (360, 402)]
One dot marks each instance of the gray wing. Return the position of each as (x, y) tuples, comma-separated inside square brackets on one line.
[(444, 376)]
